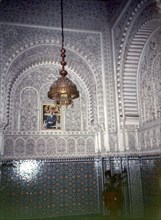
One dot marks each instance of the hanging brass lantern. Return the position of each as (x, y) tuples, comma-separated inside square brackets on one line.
[(63, 91)]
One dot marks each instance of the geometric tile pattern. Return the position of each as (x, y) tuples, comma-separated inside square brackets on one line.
[(142, 198), (53, 188), (151, 179), (34, 189)]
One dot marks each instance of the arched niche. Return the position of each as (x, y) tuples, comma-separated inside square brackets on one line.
[(37, 67)]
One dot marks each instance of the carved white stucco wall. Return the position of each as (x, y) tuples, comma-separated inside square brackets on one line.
[(135, 28), (104, 58), (150, 98)]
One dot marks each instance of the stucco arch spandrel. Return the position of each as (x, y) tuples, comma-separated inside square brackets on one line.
[(50, 54)]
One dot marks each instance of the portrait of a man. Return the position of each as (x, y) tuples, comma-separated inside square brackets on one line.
[(51, 117)]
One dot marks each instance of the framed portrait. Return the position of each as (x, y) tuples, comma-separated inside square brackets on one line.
[(51, 116)]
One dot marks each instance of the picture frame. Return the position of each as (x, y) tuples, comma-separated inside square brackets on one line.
[(51, 117)]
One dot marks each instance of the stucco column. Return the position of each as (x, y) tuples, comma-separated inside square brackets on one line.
[(2, 126)]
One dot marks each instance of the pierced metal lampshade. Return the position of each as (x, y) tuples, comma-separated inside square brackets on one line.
[(63, 91)]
